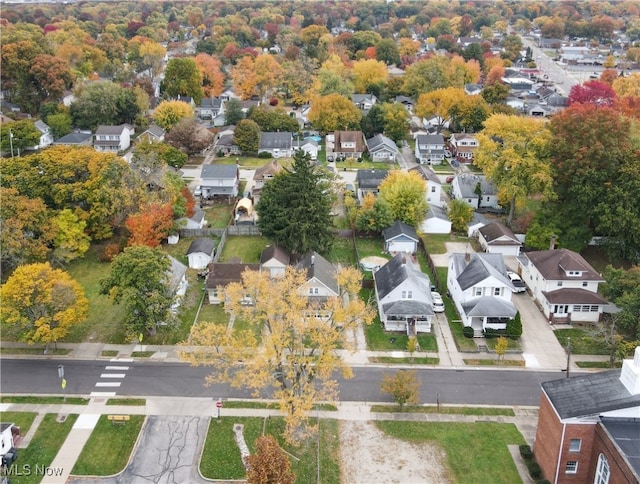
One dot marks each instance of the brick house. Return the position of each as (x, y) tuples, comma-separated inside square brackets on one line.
[(589, 427)]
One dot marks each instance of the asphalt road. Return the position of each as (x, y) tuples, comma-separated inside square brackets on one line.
[(468, 386)]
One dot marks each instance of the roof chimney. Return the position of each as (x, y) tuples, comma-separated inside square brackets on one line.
[(404, 260), (313, 259), (552, 245), (467, 257), (630, 375)]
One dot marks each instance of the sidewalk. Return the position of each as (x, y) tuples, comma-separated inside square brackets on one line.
[(525, 419)]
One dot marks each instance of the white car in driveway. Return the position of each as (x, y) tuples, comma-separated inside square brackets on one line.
[(518, 283), (438, 303)]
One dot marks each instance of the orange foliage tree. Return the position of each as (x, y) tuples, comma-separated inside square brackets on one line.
[(150, 225)]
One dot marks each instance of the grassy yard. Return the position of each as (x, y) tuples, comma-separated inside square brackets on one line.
[(491, 411), (213, 313), (371, 246), (404, 361), (218, 215), (581, 342), (248, 162), (127, 401), (119, 440), (247, 249), (476, 452), (23, 420), (434, 243), (221, 457), (44, 400), (45, 445), (351, 164), (490, 362), (342, 252)]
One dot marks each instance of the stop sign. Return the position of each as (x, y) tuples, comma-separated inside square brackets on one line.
[(219, 404)]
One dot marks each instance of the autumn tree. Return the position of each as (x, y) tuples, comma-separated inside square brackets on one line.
[(623, 289), (295, 208), (103, 103), (405, 192), (244, 77), (439, 72), (403, 386), (273, 120), (150, 225), (592, 92), (61, 124), (16, 136), (369, 74), (182, 78), (169, 113), (189, 136), (42, 303), (374, 215), (439, 103), (269, 464), (514, 155), (460, 213), (247, 136), (396, 121), (469, 114), (139, 279), (71, 239), (268, 74), (334, 112), (296, 361), (152, 56), (211, 72), (50, 76), (502, 344), (388, 52), (628, 85)]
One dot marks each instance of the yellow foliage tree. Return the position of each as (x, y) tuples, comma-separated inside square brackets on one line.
[(627, 86), (439, 103), (169, 113), (368, 72), (42, 303), (152, 57), (334, 112), (289, 348), (268, 72), (405, 191), (244, 77)]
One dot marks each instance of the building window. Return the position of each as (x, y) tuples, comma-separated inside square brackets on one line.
[(602, 471), (407, 295), (433, 189), (478, 291), (571, 467), (585, 284), (559, 283), (574, 445), (497, 291)]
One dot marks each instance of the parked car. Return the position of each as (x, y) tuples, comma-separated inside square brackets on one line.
[(438, 303), (518, 283), (197, 191), (449, 179), (350, 188), (329, 158)]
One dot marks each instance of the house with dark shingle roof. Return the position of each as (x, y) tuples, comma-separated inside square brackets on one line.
[(563, 284), (221, 275), (275, 260), (400, 237), (364, 102), (321, 277), (279, 145), (403, 296), (111, 139), (200, 253), (348, 144), (465, 187), (430, 149), (211, 108), (589, 426), (481, 291), (177, 279), (368, 181), (261, 176), (496, 238), (153, 134), (77, 138)]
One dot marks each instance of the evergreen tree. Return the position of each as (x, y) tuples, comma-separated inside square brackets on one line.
[(295, 208)]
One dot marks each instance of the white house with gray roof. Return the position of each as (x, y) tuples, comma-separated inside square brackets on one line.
[(112, 139), (177, 282), (475, 190), (219, 180), (434, 185), (481, 291), (436, 222), (400, 237), (321, 277), (382, 148), (430, 149), (279, 145), (46, 136), (368, 181), (200, 253), (403, 296)]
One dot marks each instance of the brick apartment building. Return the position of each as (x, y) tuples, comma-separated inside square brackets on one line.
[(589, 427)]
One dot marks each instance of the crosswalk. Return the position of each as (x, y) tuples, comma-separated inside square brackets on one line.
[(109, 379)]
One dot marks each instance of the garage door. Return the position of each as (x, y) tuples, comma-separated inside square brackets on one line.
[(397, 246)]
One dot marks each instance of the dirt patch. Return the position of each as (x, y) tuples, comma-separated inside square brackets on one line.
[(369, 455)]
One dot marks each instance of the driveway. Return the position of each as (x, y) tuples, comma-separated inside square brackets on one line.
[(168, 452)]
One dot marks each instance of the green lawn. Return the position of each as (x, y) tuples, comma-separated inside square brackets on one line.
[(342, 252), (127, 401), (434, 243), (44, 400), (404, 361), (246, 248), (23, 420), (490, 362), (248, 162), (581, 342), (45, 445), (351, 164), (476, 452), (218, 216), (492, 411), (221, 457), (213, 313), (371, 246), (108, 449)]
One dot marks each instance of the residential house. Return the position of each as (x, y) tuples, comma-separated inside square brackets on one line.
[(430, 149), (46, 136), (473, 89), (220, 181), (434, 185), (400, 237), (495, 238), (540, 111), (321, 277), (382, 148), (112, 139), (475, 190), (364, 102), (348, 144), (212, 108), (263, 175), (177, 277), (153, 134), (476, 223), (185, 99), (200, 253), (434, 124), (407, 102), (463, 146), (224, 141), (229, 94), (275, 260), (436, 222), (403, 296), (563, 284), (221, 275), (467, 41), (309, 146), (77, 138), (588, 427), (481, 291), (196, 221), (279, 145), (368, 181), (8, 451)]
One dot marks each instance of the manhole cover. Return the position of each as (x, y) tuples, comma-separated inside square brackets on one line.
[(61, 418)]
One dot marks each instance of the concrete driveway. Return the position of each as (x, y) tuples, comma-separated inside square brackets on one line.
[(168, 452)]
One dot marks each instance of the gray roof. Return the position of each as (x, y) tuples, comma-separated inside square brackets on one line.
[(320, 268), (210, 171), (379, 142), (270, 141), (589, 394), (625, 432), (211, 103), (468, 183), (400, 228), (226, 140), (489, 307), (554, 264), (430, 139), (370, 178), (41, 126), (203, 244), (394, 272), (480, 267), (176, 272), (111, 129), (427, 173), (155, 130), (74, 139), (274, 252), (407, 306), (358, 98), (269, 168), (495, 230), (437, 212)]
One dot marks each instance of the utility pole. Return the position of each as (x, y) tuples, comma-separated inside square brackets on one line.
[(568, 354), (11, 141)]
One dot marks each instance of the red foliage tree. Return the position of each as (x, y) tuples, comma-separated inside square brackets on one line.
[(150, 225), (597, 93)]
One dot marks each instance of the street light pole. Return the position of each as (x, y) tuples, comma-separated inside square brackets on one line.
[(568, 355), (11, 141)]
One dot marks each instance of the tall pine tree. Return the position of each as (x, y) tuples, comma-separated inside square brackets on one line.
[(295, 208)]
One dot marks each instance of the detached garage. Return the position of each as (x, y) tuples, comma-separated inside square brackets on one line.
[(495, 238), (200, 253), (400, 237)]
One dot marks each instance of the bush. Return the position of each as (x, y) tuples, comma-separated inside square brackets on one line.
[(265, 154), (534, 469), (108, 252), (514, 327), (526, 452), (494, 333), (467, 331)]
